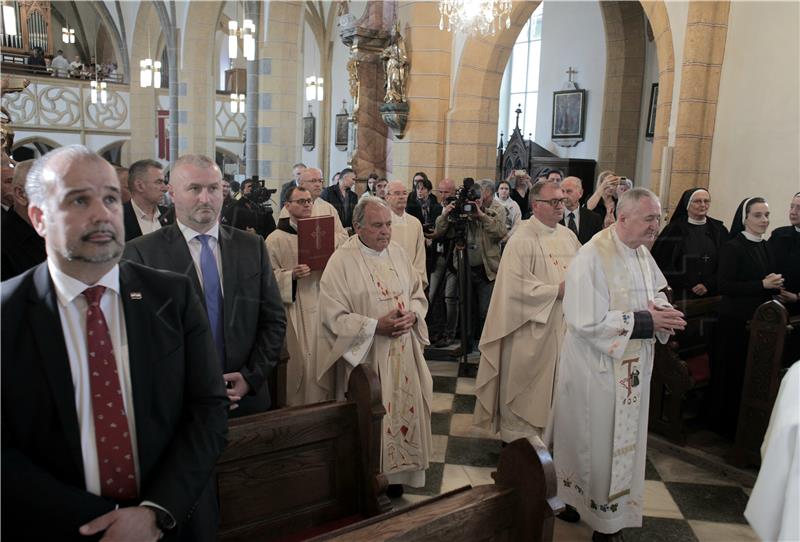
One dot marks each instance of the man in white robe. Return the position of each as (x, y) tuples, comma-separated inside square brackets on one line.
[(773, 507), (299, 288), (311, 179), (525, 323), (407, 229), (372, 310), (614, 310)]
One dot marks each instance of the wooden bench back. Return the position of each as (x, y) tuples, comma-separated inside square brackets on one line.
[(292, 469), (520, 506)]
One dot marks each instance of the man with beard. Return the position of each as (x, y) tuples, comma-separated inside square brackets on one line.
[(231, 273), (113, 361)]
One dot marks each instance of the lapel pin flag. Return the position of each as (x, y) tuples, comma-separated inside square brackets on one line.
[(136, 295)]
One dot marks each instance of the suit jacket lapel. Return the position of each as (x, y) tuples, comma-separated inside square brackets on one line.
[(55, 359), (229, 269), (139, 316)]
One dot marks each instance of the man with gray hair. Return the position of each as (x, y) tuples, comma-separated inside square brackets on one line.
[(372, 311), (406, 229), (113, 360), (615, 311), (485, 228), (22, 248), (232, 275)]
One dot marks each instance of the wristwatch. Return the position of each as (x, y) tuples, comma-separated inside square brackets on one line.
[(164, 520)]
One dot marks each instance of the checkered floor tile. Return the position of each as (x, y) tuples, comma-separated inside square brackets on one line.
[(682, 501)]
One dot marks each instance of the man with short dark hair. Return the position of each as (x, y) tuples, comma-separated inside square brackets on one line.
[(143, 214), (231, 273), (60, 65), (249, 213), (342, 197), (112, 362)]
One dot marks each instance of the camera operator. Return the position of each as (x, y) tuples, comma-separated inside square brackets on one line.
[(252, 211), (480, 222)]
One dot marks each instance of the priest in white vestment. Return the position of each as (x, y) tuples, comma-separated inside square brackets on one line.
[(407, 229), (299, 288), (311, 179), (525, 325), (773, 510), (372, 310), (614, 310)]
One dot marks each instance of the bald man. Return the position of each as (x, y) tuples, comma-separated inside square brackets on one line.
[(583, 222), (406, 229)]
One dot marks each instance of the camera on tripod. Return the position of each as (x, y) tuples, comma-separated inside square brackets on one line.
[(259, 194), (464, 200)]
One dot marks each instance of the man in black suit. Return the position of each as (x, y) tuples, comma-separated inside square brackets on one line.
[(297, 169), (342, 197), (113, 408), (22, 248), (583, 222), (246, 314), (143, 214)]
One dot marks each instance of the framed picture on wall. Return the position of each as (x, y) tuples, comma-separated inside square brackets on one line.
[(309, 131), (569, 114), (342, 130), (651, 114)]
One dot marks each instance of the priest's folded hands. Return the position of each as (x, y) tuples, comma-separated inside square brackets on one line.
[(395, 323), (666, 318)]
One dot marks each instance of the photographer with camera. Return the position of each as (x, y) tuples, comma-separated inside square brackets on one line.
[(474, 223), (252, 212)]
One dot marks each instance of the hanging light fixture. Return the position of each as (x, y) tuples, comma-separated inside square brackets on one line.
[(9, 20), (483, 17), (98, 88), (315, 88), (146, 72), (237, 103), (247, 33), (157, 74), (67, 34)]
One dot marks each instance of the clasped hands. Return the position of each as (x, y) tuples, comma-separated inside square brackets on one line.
[(667, 319), (395, 323)]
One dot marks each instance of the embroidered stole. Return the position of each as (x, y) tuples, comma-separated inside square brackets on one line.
[(627, 369)]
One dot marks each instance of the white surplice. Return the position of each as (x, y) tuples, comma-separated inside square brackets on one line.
[(407, 232), (323, 208), (359, 286), (774, 506), (598, 338)]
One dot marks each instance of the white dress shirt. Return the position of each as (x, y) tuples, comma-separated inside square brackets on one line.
[(195, 247), (72, 308), (146, 224)]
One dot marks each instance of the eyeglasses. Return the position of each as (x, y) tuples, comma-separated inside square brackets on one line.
[(303, 201), (553, 202)]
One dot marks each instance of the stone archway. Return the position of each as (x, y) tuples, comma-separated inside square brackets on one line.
[(472, 121)]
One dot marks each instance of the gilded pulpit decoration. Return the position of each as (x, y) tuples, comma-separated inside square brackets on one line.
[(394, 110)]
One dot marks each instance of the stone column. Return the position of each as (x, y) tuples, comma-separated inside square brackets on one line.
[(367, 79)]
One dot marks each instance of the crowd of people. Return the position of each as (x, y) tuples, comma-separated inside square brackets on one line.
[(167, 304), (59, 66)]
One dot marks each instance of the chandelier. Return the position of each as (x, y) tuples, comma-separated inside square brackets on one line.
[(149, 73), (474, 16), (98, 87)]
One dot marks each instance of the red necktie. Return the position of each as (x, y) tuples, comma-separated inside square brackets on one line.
[(113, 439)]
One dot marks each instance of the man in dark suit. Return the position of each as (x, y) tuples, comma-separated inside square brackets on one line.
[(113, 408), (297, 169), (342, 197), (583, 222), (143, 214), (22, 248), (231, 272)]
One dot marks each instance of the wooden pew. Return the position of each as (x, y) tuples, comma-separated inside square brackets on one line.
[(292, 473), (681, 369), (520, 506), (764, 370)]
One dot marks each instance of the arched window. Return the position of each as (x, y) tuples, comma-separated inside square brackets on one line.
[(521, 78)]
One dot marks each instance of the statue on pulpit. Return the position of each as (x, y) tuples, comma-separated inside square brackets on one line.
[(395, 64)]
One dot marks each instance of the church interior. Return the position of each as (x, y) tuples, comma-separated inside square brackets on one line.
[(672, 94)]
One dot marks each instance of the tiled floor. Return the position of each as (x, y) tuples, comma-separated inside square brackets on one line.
[(682, 502)]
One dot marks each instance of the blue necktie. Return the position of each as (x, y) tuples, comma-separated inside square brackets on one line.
[(213, 293)]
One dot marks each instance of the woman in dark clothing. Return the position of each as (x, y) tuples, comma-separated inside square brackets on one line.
[(746, 279), (521, 185), (687, 250)]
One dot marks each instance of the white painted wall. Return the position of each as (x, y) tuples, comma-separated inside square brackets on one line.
[(573, 34), (644, 151), (678, 13), (757, 131), (311, 66)]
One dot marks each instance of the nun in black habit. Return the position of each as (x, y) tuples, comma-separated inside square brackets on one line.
[(746, 279), (687, 250)]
